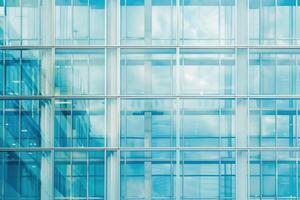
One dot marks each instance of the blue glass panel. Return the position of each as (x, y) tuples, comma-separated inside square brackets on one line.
[(207, 22), (207, 123), (207, 71), (147, 123), (274, 72), (147, 71), (268, 26), (273, 174), (286, 2), (24, 175), (25, 123), (137, 170), (80, 22), (79, 72), (205, 171), (150, 23), (75, 175), (26, 72), (24, 24), (79, 123), (286, 179)]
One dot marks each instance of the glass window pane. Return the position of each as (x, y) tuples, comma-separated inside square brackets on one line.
[(147, 123), (207, 123), (207, 22), (207, 71), (80, 22), (79, 123), (147, 71), (207, 174), (25, 174), (148, 22), (274, 71), (26, 123), (78, 174), (27, 72), (79, 72), (273, 174), (137, 168), (26, 22), (273, 22)]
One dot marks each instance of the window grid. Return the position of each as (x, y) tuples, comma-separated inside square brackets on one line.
[(109, 97)]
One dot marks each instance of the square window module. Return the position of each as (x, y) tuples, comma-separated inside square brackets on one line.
[(147, 123), (274, 22), (148, 71), (25, 123), (79, 123), (80, 22), (148, 22), (274, 72), (207, 22), (25, 72), (209, 71), (79, 72), (25, 22)]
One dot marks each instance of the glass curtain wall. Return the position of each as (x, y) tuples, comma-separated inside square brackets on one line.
[(149, 99), (80, 22), (25, 22)]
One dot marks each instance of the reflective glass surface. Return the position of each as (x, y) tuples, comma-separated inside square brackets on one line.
[(207, 71), (25, 72), (25, 22), (138, 168), (80, 22), (273, 175), (148, 22), (79, 123), (79, 72), (148, 71), (207, 175), (24, 123), (274, 71), (273, 123), (207, 123), (149, 99), (148, 123), (207, 22), (22, 175), (274, 22), (79, 175)]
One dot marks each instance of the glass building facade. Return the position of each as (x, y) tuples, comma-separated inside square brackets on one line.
[(149, 99)]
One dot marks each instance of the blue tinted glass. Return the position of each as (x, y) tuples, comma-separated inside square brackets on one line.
[(23, 173), (137, 169), (207, 22), (22, 22), (79, 72), (270, 178), (79, 123), (207, 72), (147, 71), (75, 175), (268, 22), (207, 123), (80, 22), (211, 177), (147, 123), (27, 72), (25, 123), (141, 22), (274, 72)]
